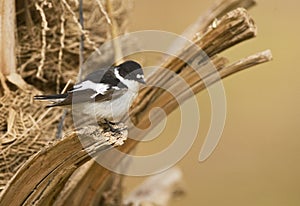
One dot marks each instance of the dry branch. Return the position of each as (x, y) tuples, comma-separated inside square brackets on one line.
[(218, 10), (40, 183), (39, 180), (234, 27), (8, 45), (7, 39), (96, 172), (245, 29), (33, 127)]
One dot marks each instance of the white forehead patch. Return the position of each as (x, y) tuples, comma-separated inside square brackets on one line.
[(99, 88), (140, 76)]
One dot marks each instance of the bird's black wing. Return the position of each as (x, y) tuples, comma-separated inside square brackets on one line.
[(85, 96), (105, 76), (99, 86)]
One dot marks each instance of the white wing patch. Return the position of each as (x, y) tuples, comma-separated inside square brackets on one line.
[(99, 88), (116, 88)]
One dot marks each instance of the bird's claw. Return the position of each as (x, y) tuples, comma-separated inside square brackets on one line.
[(111, 127)]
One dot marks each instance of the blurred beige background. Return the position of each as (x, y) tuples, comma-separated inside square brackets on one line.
[(257, 161)]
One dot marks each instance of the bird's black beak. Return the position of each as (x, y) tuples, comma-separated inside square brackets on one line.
[(142, 81)]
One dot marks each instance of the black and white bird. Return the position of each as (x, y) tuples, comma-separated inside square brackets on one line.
[(107, 93)]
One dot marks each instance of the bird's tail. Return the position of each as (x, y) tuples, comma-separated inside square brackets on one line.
[(55, 98), (50, 97)]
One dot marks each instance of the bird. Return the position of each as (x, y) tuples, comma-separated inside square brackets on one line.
[(108, 93)]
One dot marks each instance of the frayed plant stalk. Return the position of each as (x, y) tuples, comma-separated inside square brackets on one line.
[(37, 182), (26, 127), (151, 97), (219, 9), (233, 28), (62, 46), (45, 28), (31, 126), (102, 9), (7, 30), (220, 33), (8, 45)]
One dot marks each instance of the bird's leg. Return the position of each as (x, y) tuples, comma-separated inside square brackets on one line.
[(113, 123), (111, 128)]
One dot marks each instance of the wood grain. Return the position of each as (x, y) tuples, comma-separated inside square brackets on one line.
[(44, 177)]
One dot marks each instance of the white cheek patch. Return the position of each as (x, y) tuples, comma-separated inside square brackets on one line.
[(99, 88), (140, 76), (131, 84)]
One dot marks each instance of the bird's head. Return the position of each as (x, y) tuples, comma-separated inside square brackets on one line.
[(131, 70)]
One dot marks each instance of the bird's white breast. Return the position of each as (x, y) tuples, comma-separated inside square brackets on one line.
[(114, 109)]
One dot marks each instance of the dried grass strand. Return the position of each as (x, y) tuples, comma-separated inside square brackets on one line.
[(45, 28), (102, 9), (62, 46), (84, 32)]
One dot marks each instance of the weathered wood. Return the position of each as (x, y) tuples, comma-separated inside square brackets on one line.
[(7, 37), (231, 29), (219, 9), (44, 176), (236, 27), (8, 45), (41, 178)]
